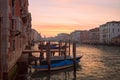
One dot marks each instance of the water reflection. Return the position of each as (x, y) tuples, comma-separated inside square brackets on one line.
[(64, 74), (98, 63)]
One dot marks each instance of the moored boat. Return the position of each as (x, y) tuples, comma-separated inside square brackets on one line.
[(56, 66), (49, 60)]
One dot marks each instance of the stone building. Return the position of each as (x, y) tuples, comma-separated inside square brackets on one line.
[(75, 36), (84, 36), (15, 27), (62, 37), (35, 36), (80, 36), (94, 36), (109, 31), (116, 40)]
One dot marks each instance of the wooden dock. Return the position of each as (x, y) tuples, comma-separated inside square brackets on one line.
[(36, 51), (63, 53)]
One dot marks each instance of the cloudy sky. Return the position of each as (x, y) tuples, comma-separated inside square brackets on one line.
[(50, 17)]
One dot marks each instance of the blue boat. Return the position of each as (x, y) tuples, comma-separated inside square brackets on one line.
[(57, 64)]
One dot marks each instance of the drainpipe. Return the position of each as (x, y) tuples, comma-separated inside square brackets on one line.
[(1, 67)]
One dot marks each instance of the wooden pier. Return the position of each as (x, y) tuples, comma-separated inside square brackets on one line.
[(50, 53)]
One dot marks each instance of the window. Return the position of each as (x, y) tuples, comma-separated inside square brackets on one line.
[(12, 24), (13, 46), (20, 42), (113, 24), (113, 30), (13, 3), (1, 19)]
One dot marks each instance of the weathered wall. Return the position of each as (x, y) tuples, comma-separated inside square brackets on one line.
[(1, 70), (11, 33)]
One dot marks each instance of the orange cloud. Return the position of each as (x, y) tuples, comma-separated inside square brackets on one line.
[(55, 16), (54, 29)]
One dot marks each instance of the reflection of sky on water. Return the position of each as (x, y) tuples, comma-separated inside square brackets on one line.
[(97, 63), (64, 74)]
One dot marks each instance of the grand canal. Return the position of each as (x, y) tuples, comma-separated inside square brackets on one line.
[(97, 63)]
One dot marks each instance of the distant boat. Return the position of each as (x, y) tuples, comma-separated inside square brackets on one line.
[(57, 64)]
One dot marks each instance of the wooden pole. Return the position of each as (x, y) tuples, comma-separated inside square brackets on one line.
[(69, 47), (48, 56), (41, 56), (1, 66), (65, 52), (35, 61), (59, 47), (74, 56)]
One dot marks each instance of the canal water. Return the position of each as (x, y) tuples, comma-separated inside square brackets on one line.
[(97, 63)]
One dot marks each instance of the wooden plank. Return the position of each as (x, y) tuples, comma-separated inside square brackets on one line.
[(34, 51), (59, 57)]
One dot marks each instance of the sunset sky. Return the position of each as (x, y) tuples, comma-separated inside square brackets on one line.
[(50, 17)]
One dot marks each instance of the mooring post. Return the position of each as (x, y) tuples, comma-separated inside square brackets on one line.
[(69, 47), (59, 48), (65, 52), (41, 56), (35, 62), (74, 56), (48, 56)]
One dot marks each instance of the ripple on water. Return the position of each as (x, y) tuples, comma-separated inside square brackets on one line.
[(97, 63)]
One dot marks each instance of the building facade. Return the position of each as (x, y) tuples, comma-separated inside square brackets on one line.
[(62, 37), (1, 67), (15, 24), (75, 36), (35, 36), (94, 36), (116, 40), (109, 31), (84, 37)]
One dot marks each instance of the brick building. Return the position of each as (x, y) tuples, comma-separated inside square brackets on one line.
[(15, 27), (1, 70)]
